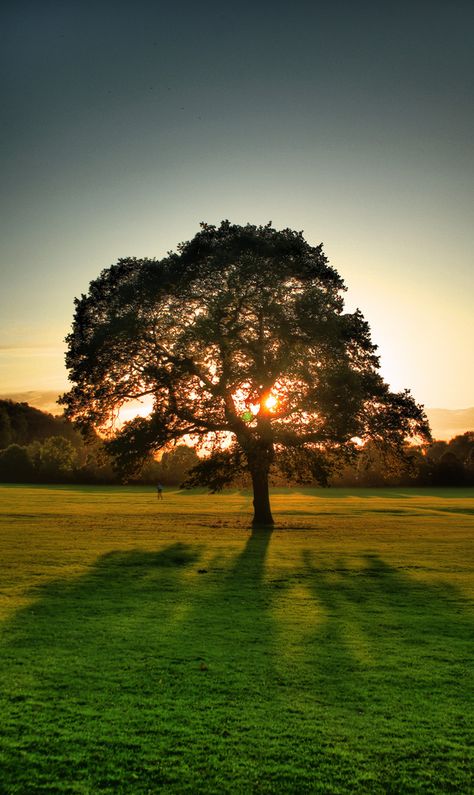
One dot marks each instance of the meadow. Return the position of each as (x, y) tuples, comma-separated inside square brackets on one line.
[(154, 646)]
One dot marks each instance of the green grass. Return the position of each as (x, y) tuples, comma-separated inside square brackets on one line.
[(150, 647)]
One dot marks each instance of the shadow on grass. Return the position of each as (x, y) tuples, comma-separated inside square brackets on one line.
[(152, 673), (378, 616)]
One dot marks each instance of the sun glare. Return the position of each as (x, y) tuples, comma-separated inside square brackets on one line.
[(270, 402), (132, 409)]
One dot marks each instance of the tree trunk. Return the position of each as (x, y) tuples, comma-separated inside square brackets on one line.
[(261, 497)]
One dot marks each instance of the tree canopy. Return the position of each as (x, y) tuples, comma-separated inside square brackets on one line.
[(241, 342)]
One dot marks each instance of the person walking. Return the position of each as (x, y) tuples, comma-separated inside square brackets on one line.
[(159, 491)]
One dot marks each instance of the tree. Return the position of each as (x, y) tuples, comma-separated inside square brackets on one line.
[(57, 459), (176, 464), (463, 446), (5, 428), (16, 465), (240, 339)]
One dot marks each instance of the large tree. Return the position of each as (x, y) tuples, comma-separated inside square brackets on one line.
[(241, 342)]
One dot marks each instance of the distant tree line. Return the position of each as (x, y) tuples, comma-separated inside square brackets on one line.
[(36, 447), (440, 463)]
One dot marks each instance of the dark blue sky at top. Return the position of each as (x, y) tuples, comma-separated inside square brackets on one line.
[(125, 124), (88, 80)]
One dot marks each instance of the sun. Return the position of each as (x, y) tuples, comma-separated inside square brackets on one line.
[(270, 402), (133, 409)]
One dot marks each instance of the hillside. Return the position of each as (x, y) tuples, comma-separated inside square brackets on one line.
[(22, 424)]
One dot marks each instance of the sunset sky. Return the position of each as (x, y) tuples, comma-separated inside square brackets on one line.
[(126, 124)]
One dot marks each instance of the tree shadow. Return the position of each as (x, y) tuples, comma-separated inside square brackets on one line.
[(137, 665), (167, 671), (391, 662)]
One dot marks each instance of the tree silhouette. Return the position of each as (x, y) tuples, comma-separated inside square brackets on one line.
[(57, 459), (16, 465), (239, 338)]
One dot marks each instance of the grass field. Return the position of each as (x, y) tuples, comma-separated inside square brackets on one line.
[(164, 647)]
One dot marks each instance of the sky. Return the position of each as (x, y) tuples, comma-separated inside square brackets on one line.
[(126, 124)]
